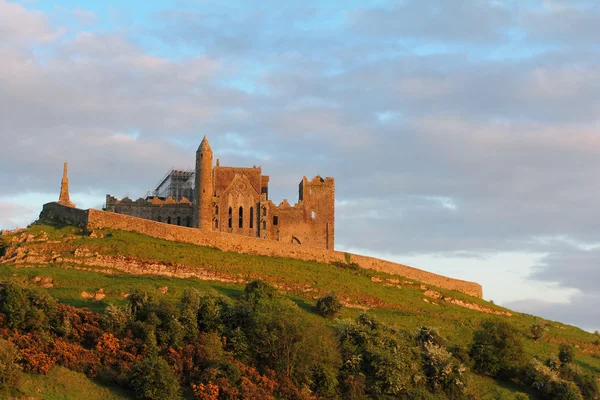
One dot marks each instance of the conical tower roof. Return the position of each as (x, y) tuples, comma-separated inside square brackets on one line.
[(204, 145)]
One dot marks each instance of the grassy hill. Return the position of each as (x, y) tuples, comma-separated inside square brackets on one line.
[(93, 271)]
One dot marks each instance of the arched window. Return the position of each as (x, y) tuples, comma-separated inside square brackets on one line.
[(314, 214), (216, 223), (241, 219), (230, 215), (275, 220), (179, 221), (168, 220), (264, 211), (251, 217), (264, 224), (216, 210)]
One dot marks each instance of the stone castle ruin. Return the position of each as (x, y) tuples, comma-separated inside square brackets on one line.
[(236, 200), (230, 200)]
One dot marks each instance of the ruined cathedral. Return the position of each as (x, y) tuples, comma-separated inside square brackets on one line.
[(236, 200)]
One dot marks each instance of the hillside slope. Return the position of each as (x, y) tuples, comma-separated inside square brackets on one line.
[(94, 270)]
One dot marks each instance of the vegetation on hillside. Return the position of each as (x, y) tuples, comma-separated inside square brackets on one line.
[(226, 340)]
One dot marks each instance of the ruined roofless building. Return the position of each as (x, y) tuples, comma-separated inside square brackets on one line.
[(236, 200)]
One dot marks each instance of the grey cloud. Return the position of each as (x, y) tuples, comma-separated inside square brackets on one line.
[(463, 20), (572, 22), (582, 310)]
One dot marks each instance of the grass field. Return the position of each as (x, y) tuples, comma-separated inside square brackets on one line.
[(400, 304)]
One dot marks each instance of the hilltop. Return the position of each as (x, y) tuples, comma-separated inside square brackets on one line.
[(100, 270)]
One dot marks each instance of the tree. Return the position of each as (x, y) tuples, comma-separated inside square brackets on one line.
[(10, 371), (497, 349), (329, 306), (153, 379)]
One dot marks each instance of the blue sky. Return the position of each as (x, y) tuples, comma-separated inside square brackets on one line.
[(462, 135)]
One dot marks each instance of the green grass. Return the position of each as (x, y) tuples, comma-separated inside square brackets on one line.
[(402, 307), (63, 384)]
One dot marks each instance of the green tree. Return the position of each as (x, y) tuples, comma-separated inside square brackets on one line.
[(497, 349), (10, 370), (153, 379), (14, 304), (284, 339)]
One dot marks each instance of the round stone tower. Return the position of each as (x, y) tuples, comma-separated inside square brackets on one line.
[(203, 188)]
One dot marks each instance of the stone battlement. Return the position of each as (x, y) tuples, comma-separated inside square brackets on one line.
[(95, 219)]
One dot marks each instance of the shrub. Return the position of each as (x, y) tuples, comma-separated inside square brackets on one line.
[(329, 306), (442, 370), (549, 384), (553, 362), (10, 371), (14, 304), (426, 335), (258, 290), (538, 330), (566, 353), (153, 379), (376, 359), (190, 303), (587, 385), (284, 339), (461, 353), (497, 349), (116, 318)]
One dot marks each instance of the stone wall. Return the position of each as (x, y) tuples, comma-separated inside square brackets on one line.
[(65, 215), (95, 219), (169, 211)]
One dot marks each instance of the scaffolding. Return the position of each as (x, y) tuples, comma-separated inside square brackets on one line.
[(176, 183)]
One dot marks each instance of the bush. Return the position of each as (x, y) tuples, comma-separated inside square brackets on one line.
[(283, 339), (329, 306), (461, 353), (116, 318), (549, 384), (377, 360), (10, 371), (538, 330), (587, 385), (259, 290), (497, 349), (426, 335), (153, 379), (442, 370), (566, 353)]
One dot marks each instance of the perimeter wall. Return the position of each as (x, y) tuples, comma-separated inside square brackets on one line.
[(95, 219)]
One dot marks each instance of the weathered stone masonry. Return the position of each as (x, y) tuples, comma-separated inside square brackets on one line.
[(95, 219), (236, 200)]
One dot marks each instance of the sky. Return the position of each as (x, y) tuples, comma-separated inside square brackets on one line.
[(463, 135)]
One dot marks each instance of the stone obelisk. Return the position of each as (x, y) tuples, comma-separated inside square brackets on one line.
[(64, 190)]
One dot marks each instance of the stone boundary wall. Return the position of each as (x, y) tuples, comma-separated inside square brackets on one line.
[(95, 219), (66, 215)]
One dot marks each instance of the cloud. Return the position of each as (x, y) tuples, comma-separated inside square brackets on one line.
[(438, 143), (456, 21), (583, 310), (24, 26)]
